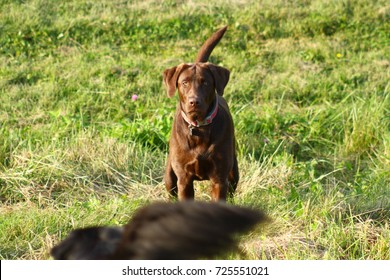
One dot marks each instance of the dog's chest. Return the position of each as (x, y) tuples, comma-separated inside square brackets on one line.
[(200, 167)]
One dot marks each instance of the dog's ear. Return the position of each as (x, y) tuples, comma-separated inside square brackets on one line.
[(221, 77), (170, 77)]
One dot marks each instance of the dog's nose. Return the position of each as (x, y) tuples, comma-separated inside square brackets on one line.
[(194, 101)]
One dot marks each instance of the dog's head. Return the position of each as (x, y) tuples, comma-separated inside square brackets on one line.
[(197, 83), (94, 243)]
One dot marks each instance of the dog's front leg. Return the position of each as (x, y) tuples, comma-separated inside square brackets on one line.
[(219, 189), (185, 188)]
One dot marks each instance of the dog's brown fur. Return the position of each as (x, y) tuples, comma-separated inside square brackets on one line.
[(183, 230), (207, 152)]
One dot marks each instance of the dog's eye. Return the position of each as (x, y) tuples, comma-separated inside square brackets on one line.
[(184, 83)]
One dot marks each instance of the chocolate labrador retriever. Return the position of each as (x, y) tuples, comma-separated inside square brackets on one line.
[(183, 230), (202, 143)]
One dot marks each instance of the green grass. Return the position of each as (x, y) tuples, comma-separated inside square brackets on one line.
[(309, 94)]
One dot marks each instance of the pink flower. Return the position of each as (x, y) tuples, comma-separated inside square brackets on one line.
[(134, 97)]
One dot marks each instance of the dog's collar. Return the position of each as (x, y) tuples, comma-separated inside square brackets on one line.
[(208, 120)]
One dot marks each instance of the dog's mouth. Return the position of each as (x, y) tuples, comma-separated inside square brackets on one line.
[(199, 113), (196, 115)]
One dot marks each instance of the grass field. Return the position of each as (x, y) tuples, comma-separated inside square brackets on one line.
[(309, 94)]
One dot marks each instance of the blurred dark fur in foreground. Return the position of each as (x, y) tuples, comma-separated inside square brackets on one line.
[(161, 231)]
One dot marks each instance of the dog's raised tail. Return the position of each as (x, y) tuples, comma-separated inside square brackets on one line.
[(209, 45)]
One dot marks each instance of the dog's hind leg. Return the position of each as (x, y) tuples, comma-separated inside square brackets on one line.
[(170, 180), (234, 176)]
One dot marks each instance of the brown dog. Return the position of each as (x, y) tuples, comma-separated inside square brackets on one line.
[(183, 230), (202, 143)]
